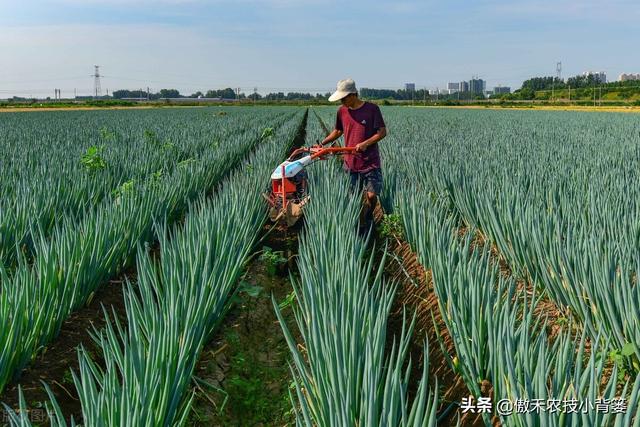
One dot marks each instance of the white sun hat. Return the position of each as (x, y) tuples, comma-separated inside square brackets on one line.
[(343, 88)]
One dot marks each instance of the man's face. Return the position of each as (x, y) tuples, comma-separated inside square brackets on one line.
[(347, 100)]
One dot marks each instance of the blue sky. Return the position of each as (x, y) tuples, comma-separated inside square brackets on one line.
[(307, 44)]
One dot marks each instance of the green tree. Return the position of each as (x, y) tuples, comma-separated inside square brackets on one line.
[(170, 93)]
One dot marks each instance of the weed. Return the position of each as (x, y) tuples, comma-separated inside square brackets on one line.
[(67, 378), (562, 321), (625, 359), (168, 146), (36, 404), (267, 133), (150, 137), (92, 160), (272, 260), (186, 162), (156, 176), (391, 226), (253, 291), (124, 188), (253, 386), (288, 300), (106, 134)]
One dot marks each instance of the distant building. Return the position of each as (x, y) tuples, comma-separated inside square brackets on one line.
[(464, 87), (501, 89), (599, 76), (627, 77), (453, 87), (410, 87), (476, 85)]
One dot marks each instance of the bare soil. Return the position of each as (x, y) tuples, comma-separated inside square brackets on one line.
[(416, 294), (243, 376)]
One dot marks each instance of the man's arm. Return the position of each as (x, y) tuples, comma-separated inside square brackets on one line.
[(381, 133), (335, 134)]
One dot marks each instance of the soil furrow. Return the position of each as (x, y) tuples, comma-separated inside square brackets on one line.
[(415, 294), (243, 377)]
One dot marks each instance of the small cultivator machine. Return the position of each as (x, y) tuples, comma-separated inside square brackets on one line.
[(289, 193)]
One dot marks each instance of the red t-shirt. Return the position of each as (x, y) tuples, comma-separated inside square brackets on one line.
[(357, 126)]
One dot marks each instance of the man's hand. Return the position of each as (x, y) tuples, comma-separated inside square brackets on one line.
[(362, 147)]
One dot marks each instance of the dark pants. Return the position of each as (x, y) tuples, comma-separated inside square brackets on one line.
[(371, 182)]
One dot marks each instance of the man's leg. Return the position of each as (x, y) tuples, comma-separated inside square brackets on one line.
[(373, 187), (358, 187)]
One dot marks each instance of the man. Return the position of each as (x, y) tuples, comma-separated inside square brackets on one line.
[(362, 125)]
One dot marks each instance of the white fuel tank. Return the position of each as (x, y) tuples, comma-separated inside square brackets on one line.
[(291, 169)]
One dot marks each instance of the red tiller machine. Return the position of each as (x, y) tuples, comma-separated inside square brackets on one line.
[(289, 182)]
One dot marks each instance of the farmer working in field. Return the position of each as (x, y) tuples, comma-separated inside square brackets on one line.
[(362, 125)]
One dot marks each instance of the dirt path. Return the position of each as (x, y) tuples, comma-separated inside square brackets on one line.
[(415, 293), (243, 376)]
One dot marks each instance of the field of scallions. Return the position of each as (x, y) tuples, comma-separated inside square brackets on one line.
[(141, 283)]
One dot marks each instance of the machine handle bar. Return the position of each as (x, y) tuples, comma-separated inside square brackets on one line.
[(317, 152)]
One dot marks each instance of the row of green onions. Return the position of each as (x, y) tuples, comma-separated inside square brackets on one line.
[(80, 256), (497, 337), (497, 333), (44, 180), (343, 373), (175, 305)]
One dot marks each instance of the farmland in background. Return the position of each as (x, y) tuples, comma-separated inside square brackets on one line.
[(513, 236)]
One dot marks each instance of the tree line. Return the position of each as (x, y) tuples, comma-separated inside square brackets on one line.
[(229, 93), (580, 86)]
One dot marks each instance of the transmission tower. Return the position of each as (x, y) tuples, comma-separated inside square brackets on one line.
[(558, 79), (97, 91), (559, 70)]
